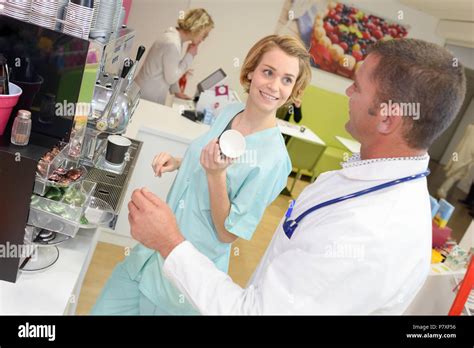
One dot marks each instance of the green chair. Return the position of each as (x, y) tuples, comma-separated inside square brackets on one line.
[(304, 157), (330, 160), (326, 114)]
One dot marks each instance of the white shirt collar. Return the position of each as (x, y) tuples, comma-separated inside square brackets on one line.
[(384, 168)]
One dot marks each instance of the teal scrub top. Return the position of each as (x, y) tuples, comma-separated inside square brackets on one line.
[(253, 182)]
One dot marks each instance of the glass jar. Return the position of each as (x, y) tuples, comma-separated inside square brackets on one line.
[(21, 128)]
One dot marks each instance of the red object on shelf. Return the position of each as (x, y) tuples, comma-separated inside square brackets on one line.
[(464, 290), (7, 103), (440, 235)]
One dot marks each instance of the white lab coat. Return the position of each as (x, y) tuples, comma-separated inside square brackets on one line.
[(163, 67), (367, 255)]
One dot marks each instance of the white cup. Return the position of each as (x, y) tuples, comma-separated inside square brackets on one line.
[(232, 143)]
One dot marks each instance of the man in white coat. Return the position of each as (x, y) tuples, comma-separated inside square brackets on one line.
[(365, 255)]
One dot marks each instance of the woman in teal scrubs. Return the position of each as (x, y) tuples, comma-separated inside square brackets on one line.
[(216, 201)]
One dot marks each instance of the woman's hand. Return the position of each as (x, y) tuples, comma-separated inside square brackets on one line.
[(164, 162), (211, 159), (215, 166), (192, 49)]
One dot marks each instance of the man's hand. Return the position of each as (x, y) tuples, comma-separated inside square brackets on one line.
[(152, 222), (213, 162)]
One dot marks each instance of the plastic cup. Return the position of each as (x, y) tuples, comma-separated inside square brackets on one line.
[(7, 103), (29, 92), (117, 147)]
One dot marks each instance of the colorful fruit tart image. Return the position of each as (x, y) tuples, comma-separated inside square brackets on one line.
[(342, 35)]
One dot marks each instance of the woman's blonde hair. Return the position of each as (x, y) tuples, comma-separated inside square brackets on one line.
[(291, 46), (195, 21)]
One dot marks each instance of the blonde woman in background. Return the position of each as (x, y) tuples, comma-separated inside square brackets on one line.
[(165, 64)]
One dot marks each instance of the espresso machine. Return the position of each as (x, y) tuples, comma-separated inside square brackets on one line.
[(115, 99), (60, 182)]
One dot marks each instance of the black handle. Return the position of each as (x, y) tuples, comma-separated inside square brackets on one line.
[(127, 65), (140, 52)]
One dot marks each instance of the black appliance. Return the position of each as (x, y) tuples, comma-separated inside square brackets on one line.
[(49, 67)]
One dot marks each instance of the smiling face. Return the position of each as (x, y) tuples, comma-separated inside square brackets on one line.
[(363, 113), (273, 80)]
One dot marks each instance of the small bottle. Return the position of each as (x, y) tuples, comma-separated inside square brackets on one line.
[(207, 117), (213, 119), (21, 128)]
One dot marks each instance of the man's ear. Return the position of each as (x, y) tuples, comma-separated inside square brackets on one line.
[(385, 126), (390, 117), (389, 124)]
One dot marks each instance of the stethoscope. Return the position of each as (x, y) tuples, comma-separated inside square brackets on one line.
[(289, 226)]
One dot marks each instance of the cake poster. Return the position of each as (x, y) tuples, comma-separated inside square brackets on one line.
[(342, 34)]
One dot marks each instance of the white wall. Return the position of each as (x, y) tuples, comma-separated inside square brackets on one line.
[(240, 23), (448, 142), (465, 55), (151, 17), (467, 119)]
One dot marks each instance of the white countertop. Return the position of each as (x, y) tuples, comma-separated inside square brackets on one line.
[(294, 130), (49, 292), (165, 121), (183, 104)]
